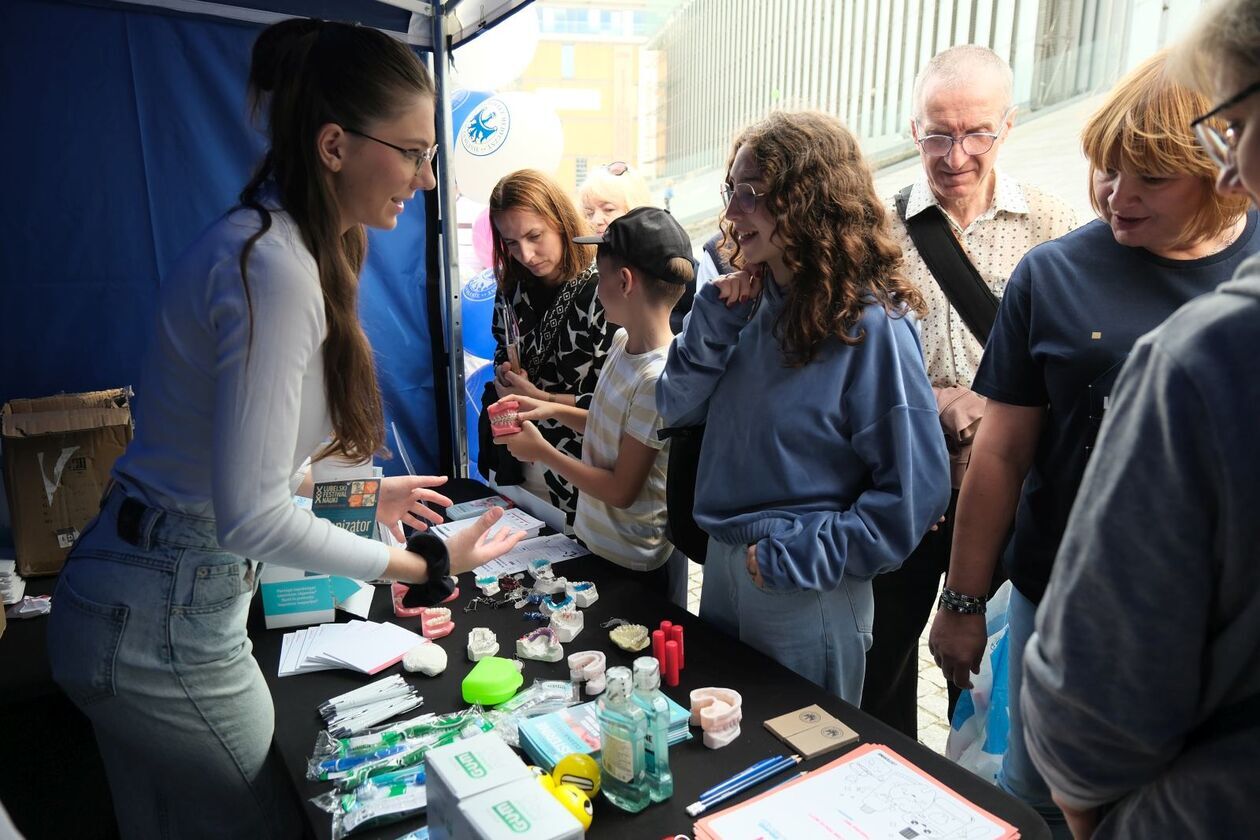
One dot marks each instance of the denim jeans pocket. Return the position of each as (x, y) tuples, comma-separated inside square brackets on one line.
[(83, 642), (216, 579), (861, 602)]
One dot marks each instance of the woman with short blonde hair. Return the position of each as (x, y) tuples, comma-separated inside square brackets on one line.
[(1070, 316)]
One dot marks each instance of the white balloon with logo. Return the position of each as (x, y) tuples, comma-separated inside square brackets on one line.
[(505, 133)]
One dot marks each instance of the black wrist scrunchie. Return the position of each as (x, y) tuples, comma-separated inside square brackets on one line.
[(439, 586)]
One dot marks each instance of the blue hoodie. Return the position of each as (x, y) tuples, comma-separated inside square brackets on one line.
[(837, 467)]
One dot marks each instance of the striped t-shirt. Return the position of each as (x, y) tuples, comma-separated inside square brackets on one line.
[(625, 403)]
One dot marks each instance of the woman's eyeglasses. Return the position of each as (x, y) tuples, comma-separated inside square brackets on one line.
[(417, 156), (1220, 144), (744, 196)]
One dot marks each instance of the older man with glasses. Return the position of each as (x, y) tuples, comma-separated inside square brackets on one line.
[(963, 226)]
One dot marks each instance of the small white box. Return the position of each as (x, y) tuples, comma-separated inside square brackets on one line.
[(464, 769), (522, 810)]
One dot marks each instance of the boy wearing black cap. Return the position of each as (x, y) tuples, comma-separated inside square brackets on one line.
[(645, 263)]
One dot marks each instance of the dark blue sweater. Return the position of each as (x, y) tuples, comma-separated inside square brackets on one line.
[(837, 467)]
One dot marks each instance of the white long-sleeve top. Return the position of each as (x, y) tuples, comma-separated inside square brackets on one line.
[(223, 422)]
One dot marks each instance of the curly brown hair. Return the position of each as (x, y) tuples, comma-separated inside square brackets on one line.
[(832, 227)]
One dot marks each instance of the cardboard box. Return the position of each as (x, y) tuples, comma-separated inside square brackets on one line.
[(520, 810), (58, 452), (459, 771)]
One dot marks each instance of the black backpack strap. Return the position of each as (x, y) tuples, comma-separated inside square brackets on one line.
[(945, 258)]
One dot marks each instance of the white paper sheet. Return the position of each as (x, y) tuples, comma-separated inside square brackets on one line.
[(554, 547), (873, 793)]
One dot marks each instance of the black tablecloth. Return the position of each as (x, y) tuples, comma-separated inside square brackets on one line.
[(712, 659)]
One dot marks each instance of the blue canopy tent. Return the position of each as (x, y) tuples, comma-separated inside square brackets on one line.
[(126, 135)]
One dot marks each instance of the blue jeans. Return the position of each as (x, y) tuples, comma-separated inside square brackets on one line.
[(823, 636), (147, 637), (1018, 776)]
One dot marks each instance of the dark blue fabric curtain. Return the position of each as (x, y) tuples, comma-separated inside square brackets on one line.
[(125, 134)]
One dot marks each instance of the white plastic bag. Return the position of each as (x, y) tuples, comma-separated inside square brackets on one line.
[(979, 730)]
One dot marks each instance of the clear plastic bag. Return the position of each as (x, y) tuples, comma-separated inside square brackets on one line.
[(980, 728), (541, 698), (387, 799)]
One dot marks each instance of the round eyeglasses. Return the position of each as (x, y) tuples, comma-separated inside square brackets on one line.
[(417, 156), (744, 196), (1221, 144)]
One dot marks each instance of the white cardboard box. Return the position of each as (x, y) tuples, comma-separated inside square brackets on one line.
[(462, 770)]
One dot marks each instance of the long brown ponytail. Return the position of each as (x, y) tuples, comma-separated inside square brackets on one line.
[(305, 74)]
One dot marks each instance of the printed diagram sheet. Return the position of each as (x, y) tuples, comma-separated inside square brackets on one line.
[(870, 793)]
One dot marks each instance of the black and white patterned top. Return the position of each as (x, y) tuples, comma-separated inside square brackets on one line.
[(569, 364)]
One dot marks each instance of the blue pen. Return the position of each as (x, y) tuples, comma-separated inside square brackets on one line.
[(695, 809), (741, 775)]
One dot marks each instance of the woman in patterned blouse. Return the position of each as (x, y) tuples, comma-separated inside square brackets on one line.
[(549, 283)]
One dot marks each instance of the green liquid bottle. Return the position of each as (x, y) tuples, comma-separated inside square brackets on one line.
[(623, 736), (648, 696)]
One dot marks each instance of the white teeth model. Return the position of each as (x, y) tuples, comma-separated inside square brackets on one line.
[(583, 593), (718, 711), (587, 666), (567, 624), (550, 585), (481, 643), (540, 645)]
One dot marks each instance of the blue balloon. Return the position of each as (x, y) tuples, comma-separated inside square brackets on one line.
[(474, 385), (477, 307), (463, 103)]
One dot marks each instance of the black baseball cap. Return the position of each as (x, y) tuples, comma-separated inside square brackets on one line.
[(646, 238)]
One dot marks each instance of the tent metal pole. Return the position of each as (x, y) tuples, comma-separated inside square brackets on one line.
[(452, 318)]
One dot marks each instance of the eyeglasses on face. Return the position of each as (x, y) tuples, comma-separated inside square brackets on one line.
[(617, 167), (417, 156), (974, 144), (744, 196), (1220, 144)]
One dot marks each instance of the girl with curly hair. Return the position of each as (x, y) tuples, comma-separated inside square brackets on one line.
[(806, 368)]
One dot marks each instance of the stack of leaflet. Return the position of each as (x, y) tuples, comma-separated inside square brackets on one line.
[(365, 646), (514, 519), (548, 738), (12, 585)]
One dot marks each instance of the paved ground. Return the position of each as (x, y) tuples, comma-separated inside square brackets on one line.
[(1043, 151)]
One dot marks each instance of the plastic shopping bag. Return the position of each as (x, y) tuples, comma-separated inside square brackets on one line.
[(978, 732)]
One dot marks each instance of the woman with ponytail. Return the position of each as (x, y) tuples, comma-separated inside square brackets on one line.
[(258, 362)]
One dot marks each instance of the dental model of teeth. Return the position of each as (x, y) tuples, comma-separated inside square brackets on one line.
[(583, 592), (481, 643), (541, 645), (629, 637), (567, 623), (436, 622), (718, 712), (588, 666), (503, 418)]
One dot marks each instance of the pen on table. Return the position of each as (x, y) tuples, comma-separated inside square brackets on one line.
[(783, 782), (741, 775), (749, 779)]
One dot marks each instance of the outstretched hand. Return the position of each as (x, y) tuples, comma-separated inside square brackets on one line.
[(402, 502), (474, 546)]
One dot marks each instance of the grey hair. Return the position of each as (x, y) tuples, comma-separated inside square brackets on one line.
[(1225, 34), (957, 67)]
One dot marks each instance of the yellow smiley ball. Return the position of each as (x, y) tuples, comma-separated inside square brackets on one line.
[(575, 802), (579, 770)]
